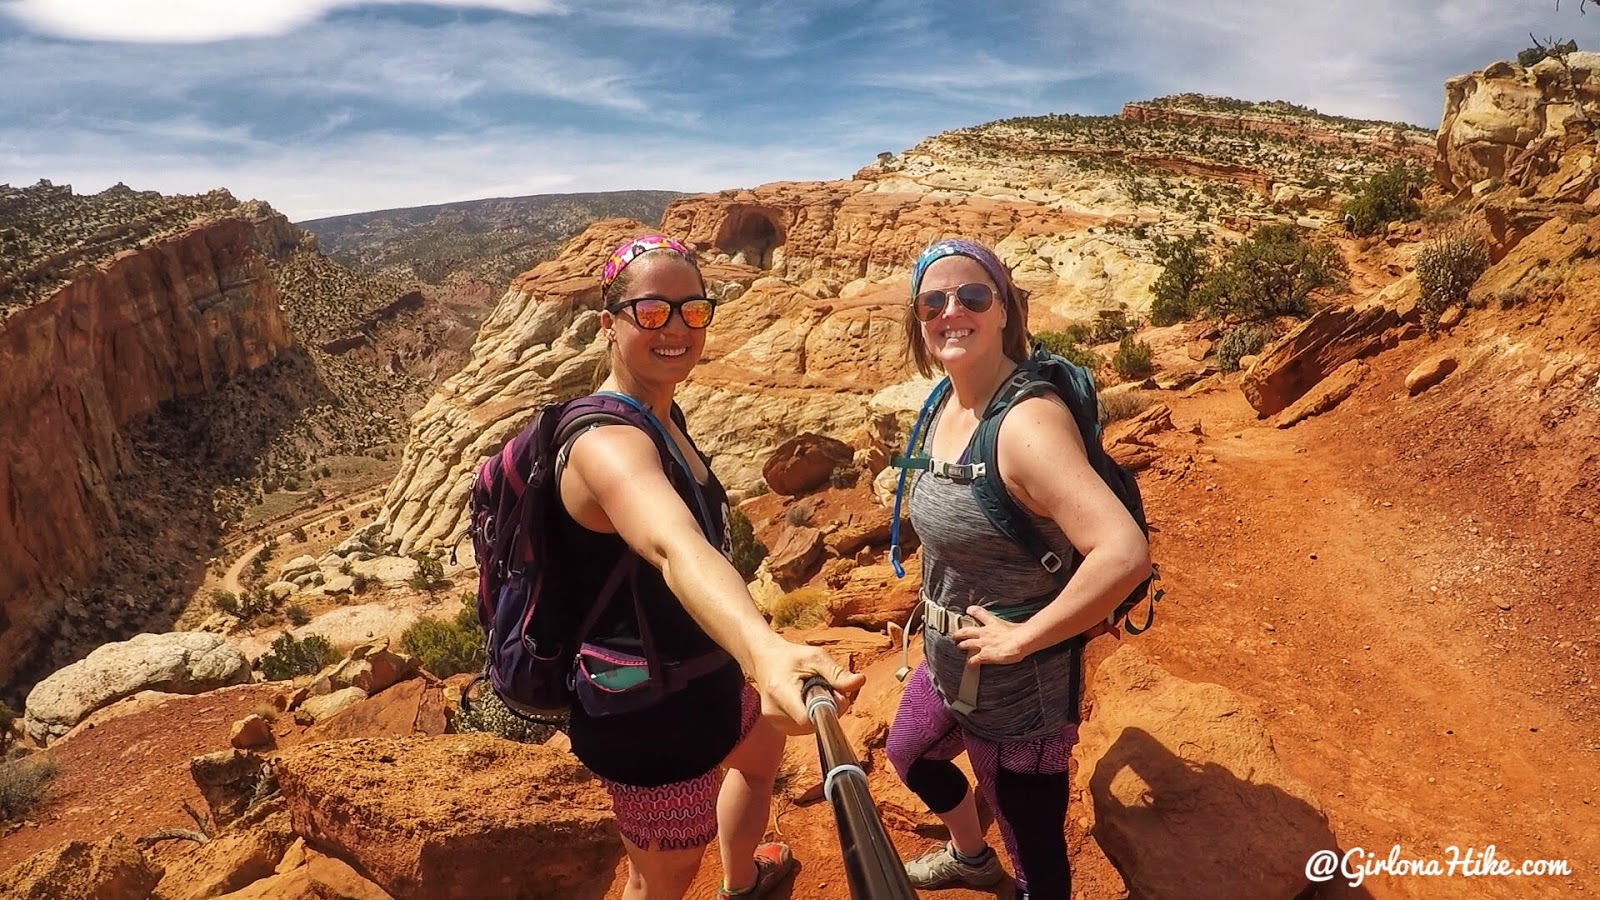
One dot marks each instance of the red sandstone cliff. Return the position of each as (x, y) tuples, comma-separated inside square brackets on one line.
[(172, 319)]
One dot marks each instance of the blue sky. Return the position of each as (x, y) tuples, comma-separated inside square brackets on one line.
[(323, 107)]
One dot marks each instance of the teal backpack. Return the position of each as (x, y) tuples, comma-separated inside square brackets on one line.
[(1042, 373)]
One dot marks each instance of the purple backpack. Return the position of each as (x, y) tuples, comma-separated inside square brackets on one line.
[(535, 629)]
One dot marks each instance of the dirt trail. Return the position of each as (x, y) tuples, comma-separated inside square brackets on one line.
[(1304, 571)]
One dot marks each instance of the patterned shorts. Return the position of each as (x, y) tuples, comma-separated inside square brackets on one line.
[(681, 815)]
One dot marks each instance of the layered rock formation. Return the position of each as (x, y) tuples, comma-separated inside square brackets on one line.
[(809, 336), (176, 318), (1493, 116)]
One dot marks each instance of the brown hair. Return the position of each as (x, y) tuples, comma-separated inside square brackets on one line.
[(1015, 341)]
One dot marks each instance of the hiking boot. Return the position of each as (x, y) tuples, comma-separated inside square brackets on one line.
[(773, 865), (942, 868)]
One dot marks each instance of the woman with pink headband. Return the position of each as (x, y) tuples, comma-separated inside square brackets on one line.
[(989, 606), (663, 765)]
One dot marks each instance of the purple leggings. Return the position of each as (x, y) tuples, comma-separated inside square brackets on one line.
[(1024, 783)]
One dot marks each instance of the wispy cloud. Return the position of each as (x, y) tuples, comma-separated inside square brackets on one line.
[(198, 21), (327, 106), (378, 171), (1365, 58)]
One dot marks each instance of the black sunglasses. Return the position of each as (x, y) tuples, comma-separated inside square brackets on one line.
[(654, 312), (975, 296)]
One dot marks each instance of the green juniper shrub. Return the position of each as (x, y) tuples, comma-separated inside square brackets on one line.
[(448, 648), (430, 572), (1173, 296), (289, 658), (1273, 272), (484, 713), (1133, 359), (1062, 344), (1389, 196), (1245, 340), (748, 551)]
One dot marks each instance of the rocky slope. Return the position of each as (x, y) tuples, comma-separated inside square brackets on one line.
[(475, 241), (813, 276), (176, 318), (167, 358)]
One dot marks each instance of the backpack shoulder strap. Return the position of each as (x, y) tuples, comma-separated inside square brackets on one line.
[(912, 459), (619, 408), (1001, 509)]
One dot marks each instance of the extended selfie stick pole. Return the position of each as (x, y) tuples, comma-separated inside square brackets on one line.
[(871, 864)]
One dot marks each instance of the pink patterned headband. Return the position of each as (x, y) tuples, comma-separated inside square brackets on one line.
[(635, 248)]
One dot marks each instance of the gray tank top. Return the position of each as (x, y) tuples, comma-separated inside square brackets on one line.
[(966, 561)]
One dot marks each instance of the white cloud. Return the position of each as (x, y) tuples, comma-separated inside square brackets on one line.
[(378, 171), (378, 63), (1364, 58), (198, 21)]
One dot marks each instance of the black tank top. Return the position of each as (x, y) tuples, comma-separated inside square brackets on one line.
[(689, 732)]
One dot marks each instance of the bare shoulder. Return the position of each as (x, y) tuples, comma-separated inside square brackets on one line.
[(1039, 423)]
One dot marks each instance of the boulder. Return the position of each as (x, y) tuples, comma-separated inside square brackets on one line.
[(372, 667), (278, 590), (870, 528), (804, 463), (1429, 373), (1188, 796), (294, 568), (181, 662), (250, 732), (411, 707), (317, 877), (325, 706), (1328, 393), (874, 597), (340, 585), (233, 859), (794, 558), (455, 816), (1302, 358), (229, 780), (111, 869)]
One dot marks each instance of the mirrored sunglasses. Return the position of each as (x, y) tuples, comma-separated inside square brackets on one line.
[(975, 296), (652, 313)]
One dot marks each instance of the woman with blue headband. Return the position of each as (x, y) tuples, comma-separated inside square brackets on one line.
[(994, 683), (664, 764)]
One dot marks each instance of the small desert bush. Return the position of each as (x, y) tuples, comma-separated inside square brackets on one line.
[(1174, 293), (430, 572), (1446, 270), (800, 608), (484, 713), (22, 784), (299, 533), (748, 551), (1386, 197), (1246, 340), (448, 648), (1122, 405), (289, 658), (1133, 359), (798, 515), (297, 614), (225, 601), (1066, 345)]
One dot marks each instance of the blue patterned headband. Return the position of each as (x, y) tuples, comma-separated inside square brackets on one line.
[(972, 250)]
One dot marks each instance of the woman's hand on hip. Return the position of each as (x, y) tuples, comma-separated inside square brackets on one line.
[(993, 641)]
